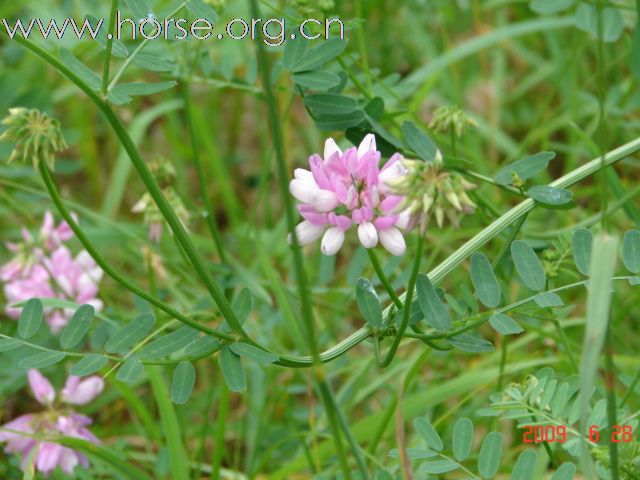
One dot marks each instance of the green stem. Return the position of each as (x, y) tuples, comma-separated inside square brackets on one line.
[(503, 362), (383, 278), (202, 181), (106, 266), (565, 342), (362, 46), (327, 399), (221, 422), (109, 46), (406, 309)]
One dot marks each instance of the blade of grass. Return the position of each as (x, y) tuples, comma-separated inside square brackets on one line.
[(178, 459), (603, 263)]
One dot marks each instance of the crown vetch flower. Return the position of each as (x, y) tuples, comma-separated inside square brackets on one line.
[(45, 268), (57, 420), (343, 189)]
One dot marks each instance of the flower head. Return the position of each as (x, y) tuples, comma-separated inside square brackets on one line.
[(343, 189), (451, 118), (37, 136), (43, 267), (428, 189), (24, 435)]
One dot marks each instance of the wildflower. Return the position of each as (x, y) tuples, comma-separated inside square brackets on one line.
[(37, 136), (429, 189), (45, 268), (451, 118), (344, 189), (30, 435)]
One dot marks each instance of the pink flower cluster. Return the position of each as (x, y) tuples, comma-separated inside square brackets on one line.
[(53, 422), (349, 188), (45, 268)]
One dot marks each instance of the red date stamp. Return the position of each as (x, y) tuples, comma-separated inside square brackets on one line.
[(559, 434)]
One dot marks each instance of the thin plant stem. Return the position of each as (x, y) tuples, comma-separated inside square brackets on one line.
[(632, 386), (221, 423), (565, 342), (503, 362), (383, 278), (109, 46), (406, 309), (362, 46), (202, 180)]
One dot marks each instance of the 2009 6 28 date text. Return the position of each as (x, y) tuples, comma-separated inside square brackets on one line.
[(560, 434)]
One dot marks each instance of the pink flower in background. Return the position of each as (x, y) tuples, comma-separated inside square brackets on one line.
[(344, 189), (57, 421), (45, 268)]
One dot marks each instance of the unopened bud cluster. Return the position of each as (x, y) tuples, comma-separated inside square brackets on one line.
[(37, 136), (451, 118), (430, 190)]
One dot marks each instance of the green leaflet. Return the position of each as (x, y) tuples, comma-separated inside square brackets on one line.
[(528, 265), (330, 104), (130, 334), (582, 243), (232, 371), (419, 142), (170, 343), (131, 371), (253, 353), (524, 466), (490, 454), (89, 364), (505, 325), (243, 304), (484, 280), (369, 303), (42, 360), (428, 433), (316, 80), (524, 168), (462, 438), (302, 58), (434, 311), (439, 466), (31, 318), (548, 300), (566, 472), (184, 379), (7, 344), (77, 327), (548, 195)]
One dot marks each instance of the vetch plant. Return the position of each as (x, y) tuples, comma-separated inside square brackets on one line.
[(345, 189)]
